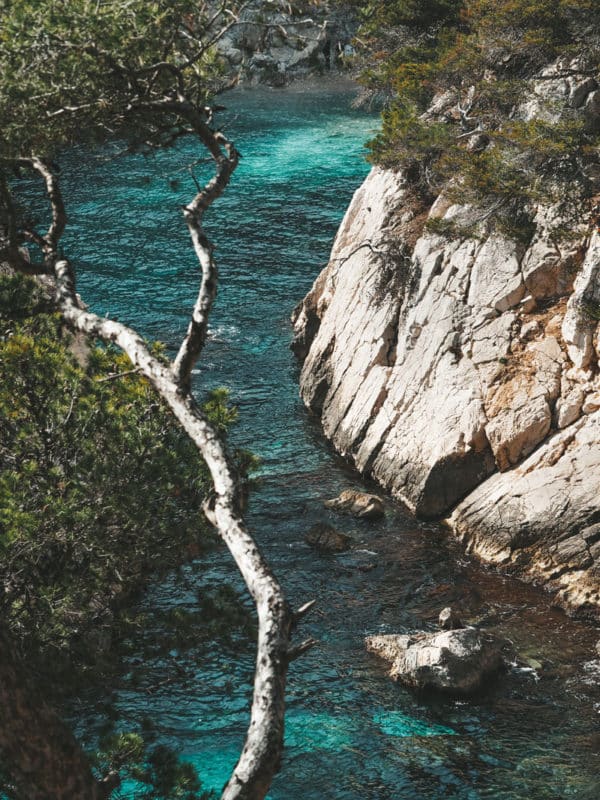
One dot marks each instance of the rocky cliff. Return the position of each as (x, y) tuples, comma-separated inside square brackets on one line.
[(278, 42), (461, 371)]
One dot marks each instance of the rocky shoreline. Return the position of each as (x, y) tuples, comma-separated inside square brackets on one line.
[(461, 372), (287, 43)]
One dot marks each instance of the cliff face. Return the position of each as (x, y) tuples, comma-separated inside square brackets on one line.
[(462, 374), (278, 43)]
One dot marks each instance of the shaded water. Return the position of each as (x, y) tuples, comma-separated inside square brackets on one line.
[(351, 733)]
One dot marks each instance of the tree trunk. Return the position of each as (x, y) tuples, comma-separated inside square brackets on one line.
[(260, 757)]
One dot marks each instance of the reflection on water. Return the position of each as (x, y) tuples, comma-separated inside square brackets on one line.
[(351, 733)]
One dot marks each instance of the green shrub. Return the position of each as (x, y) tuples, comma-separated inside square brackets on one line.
[(480, 56), (99, 488)]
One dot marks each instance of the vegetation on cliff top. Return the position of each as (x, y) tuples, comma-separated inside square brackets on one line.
[(457, 78)]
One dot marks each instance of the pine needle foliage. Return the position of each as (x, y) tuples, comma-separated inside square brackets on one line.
[(99, 487), (457, 78)]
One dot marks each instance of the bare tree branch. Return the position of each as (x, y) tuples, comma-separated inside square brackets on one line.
[(59, 215), (260, 757), (264, 742)]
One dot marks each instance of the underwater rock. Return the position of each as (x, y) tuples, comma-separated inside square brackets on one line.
[(456, 662), (327, 539)]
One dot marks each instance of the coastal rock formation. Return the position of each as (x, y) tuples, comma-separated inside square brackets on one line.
[(456, 662), (459, 368), (286, 41), (541, 519)]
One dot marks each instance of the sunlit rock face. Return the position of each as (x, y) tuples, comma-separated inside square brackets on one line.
[(461, 372), (456, 662)]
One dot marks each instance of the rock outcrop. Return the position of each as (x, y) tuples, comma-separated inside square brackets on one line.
[(460, 370), (449, 619), (357, 504), (275, 44), (456, 662)]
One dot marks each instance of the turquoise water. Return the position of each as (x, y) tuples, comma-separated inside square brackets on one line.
[(351, 733)]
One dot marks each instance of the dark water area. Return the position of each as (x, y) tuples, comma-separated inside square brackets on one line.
[(351, 733)]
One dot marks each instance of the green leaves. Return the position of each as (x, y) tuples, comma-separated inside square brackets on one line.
[(99, 488), (82, 70), (405, 136), (153, 772), (221, 413), (478, 61), (419, 14)]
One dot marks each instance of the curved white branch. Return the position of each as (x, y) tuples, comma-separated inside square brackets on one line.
[(264, 742), (260, 757), (192, 345)]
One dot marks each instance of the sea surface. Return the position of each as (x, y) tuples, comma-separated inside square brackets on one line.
[(351, 733)]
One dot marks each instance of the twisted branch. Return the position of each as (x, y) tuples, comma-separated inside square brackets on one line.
[(260, 757), (264, 742)]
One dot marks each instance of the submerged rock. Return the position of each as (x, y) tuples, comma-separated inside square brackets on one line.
[(359, 504), (359, 560), (456, 662), (449, 619), (327, 539)]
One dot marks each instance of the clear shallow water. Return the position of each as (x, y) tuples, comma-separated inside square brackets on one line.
[(351, 733)]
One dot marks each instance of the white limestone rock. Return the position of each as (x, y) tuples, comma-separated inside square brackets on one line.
[(431, 368), (412, 359), (523, 518), (496, 279), (591, 403), (357, 504), (568, 407), (583, 309), (271, 43), (456, 662)]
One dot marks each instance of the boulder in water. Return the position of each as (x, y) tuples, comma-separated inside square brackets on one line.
[(455, 662), (449, 619), (358, 504), (327, 539)]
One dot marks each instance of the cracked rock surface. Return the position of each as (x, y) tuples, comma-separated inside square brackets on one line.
[(462, 373)]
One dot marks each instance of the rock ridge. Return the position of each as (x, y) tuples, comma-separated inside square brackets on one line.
[(282, 42)]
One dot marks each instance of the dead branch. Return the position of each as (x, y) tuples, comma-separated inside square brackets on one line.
[(118, 375), (300, 649)]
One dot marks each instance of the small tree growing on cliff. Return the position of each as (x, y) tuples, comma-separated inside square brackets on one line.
[(456, 76), (142, 72)]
